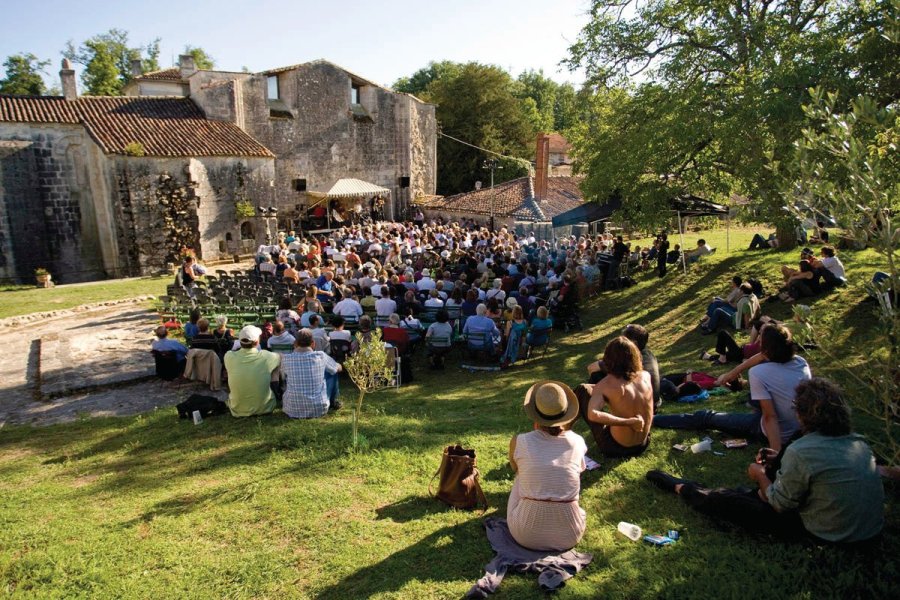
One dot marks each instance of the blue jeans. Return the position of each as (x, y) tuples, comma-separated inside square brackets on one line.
[(718, 303), (721, 312), (332, 388), (743, 424)]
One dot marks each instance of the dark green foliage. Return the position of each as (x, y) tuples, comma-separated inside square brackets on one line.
[(23, 75), (696, 95)]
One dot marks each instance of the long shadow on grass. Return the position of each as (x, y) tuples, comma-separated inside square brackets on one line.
[(450, 554)]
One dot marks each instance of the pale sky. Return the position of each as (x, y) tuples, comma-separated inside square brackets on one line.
[(378, 40)]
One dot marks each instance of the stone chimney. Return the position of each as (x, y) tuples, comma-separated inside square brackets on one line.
[(541, 166), (67, 78), (186, 64), (137, 69)]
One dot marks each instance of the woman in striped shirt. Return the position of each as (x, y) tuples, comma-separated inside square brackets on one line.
[(543, 511)]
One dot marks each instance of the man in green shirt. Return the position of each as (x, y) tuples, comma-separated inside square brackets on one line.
[(826, 483), (249, 373)]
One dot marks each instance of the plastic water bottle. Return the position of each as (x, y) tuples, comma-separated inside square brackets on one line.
[(630, 530)]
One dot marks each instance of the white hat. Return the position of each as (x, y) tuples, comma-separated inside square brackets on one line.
[(250, 333)]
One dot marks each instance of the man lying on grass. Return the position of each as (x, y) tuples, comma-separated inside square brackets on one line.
[(824, 485)]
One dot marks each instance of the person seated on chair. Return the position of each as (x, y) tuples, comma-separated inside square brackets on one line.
[(412, 325), (541, 321), (190, 328), (470, 304), (441, 328), (701, 250), (393, 333), (385, 306), (313, 307), (287, 315), (204, 337), (320, 335), (349, 306), (339, 333), (543, 511), (280, 336), (311, 380), (222, 332), (162, 343), (434, 299), (249, 374), (825, 485), (627, 391), (482, 331), (773, 381)]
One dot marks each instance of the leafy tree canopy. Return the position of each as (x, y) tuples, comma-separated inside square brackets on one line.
[(417, 84), (694, 95), (478, 106), (107, 61), (23, 75), (202, 60)]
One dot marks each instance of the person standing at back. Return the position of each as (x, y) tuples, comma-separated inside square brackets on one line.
[(662, 254)]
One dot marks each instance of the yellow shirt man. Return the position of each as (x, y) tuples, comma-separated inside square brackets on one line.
[(249, 373)]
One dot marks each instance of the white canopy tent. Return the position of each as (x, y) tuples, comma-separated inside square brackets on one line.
[(347, 188)]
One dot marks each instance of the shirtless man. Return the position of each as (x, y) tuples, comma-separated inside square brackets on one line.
[(626, 391)]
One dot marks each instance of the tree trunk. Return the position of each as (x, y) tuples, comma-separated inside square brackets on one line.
[(787, 235)]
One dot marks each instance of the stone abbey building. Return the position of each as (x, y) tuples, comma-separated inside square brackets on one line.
[(97, 187)]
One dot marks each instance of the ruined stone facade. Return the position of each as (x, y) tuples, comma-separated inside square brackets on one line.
[(306, 116), (92, 188)]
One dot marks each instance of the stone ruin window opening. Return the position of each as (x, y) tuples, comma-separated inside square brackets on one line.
[(247, 232), (272, 87), (357, 110)]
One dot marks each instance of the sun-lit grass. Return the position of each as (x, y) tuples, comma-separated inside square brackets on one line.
[(21, 300), (271, 508)]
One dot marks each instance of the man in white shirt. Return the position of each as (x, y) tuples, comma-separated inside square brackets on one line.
[(349, 306), (426, 283), (384, 306), (319, 334), (434, 300)]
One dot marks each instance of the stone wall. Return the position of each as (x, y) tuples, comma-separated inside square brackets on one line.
[(166, 205), (47, 213), (324, 139)]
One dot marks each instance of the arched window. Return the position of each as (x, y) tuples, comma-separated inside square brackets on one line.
[(228, 237), (247, 232)]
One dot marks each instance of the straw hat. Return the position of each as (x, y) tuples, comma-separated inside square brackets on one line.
[(551, 403)]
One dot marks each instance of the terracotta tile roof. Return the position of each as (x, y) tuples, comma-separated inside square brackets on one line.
[(515, 198), (173, 74), (163, 126)]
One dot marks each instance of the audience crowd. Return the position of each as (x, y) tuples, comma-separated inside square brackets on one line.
[(499, 294)]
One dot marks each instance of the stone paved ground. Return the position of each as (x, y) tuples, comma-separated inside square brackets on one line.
[(99, 347)]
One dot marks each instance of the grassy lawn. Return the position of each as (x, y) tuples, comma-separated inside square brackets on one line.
[(21, 300), (269, 508)]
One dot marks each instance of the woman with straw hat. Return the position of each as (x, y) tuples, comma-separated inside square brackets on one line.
[(543, 511)]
